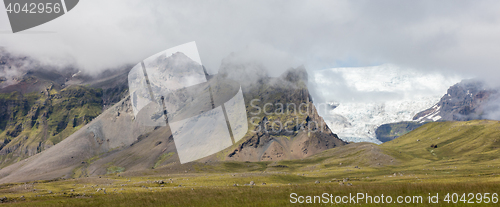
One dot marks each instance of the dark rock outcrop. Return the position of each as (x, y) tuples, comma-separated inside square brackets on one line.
[(388, 132), (283, 121)]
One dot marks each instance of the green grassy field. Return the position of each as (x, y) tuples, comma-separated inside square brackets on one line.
[(464, 161)]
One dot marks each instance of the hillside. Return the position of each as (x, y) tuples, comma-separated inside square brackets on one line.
[(300, 131), (471, 145), (114, 143), (41, 105), (33, 122), (466, 144), (465, 160)]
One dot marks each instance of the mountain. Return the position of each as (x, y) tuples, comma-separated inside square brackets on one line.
[(466, 144), (42, 105), (113, 142), (356, 101), (464, 101), (289, 101)]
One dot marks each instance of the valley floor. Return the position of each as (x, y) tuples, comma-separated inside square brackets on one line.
[(273, 187), (458, 159)]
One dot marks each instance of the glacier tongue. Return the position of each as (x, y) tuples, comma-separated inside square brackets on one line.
[(357, 122), (355, 101)]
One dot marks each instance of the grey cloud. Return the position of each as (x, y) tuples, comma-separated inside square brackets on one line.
[(492, 109), (446, 36), (338, 90)]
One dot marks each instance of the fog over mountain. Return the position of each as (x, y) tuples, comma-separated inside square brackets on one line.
[(446, 36)]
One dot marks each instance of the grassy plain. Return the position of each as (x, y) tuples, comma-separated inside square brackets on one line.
[(466, 160)]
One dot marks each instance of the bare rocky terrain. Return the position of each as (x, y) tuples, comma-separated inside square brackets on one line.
[(464, 101)]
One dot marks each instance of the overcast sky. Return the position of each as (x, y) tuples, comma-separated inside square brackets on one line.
[(448, 36)]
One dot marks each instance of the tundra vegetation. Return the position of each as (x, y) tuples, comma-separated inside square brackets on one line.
[(466, 160)]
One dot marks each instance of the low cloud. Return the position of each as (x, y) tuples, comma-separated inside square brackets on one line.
[(492, 109), (446, 36)]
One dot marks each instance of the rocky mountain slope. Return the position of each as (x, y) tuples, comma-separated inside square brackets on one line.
[(33, 122), (285, 122), (41, 105), (114, 143), (467, 100)]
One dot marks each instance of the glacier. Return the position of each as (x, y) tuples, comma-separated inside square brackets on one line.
[(355, 101)]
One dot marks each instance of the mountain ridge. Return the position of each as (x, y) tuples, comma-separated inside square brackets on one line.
[(42, 105), (463, 101), (113, 142)]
